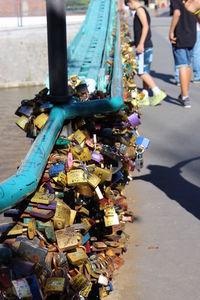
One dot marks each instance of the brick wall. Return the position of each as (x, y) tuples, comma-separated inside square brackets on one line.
[(11, 8)]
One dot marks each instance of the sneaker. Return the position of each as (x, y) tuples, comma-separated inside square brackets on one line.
[(156, 99), (145, 101), (185, 103), (196, 81)]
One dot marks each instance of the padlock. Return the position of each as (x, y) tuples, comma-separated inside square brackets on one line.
[(42, 198), (30, 250), (77, 257), (16, 230), (40, 120), (31, 130), (62, 215), (96, 156), (111, 220), (85, 292), (79, 136), (25, 110), (93, 180), (31, 228), (54, 170), (76, 176), (62, 179), (79, 281), (103, 174), (22, 122), (139, 162), (85, 154), (66, 240), (22, 289), (62, 143), (54, 285), (45, 214)]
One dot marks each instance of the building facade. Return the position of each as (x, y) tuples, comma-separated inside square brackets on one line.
[(16, 8)]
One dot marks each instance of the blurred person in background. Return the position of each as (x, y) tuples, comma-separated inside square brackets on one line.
[(193, 6), (182, 36), (144, 51)]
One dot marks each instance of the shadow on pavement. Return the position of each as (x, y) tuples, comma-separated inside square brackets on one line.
[(177, 188), (165, 77), (172, 100)]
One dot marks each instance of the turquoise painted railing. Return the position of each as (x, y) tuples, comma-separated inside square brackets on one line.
[(16, 188)]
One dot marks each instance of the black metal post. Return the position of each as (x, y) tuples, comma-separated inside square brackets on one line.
[(57, 49)]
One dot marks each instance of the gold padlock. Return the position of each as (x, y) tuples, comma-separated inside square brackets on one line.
[(66, 240), (41, 120), (85, 292), (103, 174), (79, 136), (16, 230), (62, 179), (94, 180), (42, 198), (54, 285), (85, 154), (87, 223), (79, 282), (31, 228), (22, 122), (62, 215), (76, 176), (77, 257)]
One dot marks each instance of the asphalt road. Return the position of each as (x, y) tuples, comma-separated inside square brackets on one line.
[(162, 261)]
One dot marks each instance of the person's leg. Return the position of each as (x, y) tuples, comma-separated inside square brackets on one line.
[(145, 86), (143, 70), (176, 75), (185, 77), (196, 59), (148, 80), (182, 57)]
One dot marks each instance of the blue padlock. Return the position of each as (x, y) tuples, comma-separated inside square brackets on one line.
[(54, 170), (144, 142)]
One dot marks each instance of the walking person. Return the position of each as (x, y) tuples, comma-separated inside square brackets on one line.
[(196, 57), (144, 51), (193, 6), (182, 36)]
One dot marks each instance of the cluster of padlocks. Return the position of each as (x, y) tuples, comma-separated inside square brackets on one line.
[(69, 235)]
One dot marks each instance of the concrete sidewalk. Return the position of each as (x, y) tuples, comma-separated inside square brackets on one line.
[(162, 261), (20, 23)]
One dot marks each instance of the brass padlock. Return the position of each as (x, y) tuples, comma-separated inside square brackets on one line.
[(94, 180), (41, 120), (62, 215), (79, 136), (66, 240), (31, 228), (62, 179), (54, 285), (42, 198), (85, 154), (77, 257), (76, 176)]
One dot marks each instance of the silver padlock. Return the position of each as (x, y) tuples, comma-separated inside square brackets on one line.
[(139, 161)]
